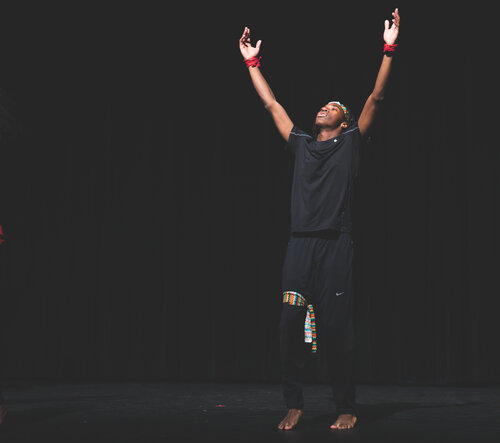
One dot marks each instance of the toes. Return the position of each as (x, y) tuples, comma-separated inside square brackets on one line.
[(284, 425), (341, 426)]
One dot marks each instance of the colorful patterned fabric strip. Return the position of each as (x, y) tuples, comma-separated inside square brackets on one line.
[(312, 327), (295, 299), (344, 108)]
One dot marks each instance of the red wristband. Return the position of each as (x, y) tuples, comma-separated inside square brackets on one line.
[(389, 49), (253, 62)]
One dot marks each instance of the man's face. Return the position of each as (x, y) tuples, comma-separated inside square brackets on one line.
[(331, 115)]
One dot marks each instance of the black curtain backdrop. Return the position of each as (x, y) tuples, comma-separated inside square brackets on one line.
[(145, 190)]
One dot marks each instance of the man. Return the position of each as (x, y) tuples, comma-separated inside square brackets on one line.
[(317, 269)]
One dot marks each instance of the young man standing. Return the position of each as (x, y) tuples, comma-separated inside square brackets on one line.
[(317, 270)]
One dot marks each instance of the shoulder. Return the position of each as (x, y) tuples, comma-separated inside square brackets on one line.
[(297, 139), (353, 137), (299, 133), (352, 131), (353, 134)]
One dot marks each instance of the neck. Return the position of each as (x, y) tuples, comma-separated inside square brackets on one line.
[(328, 133)]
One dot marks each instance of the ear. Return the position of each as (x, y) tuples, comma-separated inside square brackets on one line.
[(344, 125)]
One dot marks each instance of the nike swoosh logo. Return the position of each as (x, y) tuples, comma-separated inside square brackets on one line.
[(339, 293)]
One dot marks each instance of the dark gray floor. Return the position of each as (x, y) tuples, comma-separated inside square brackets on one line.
[(171, 412)]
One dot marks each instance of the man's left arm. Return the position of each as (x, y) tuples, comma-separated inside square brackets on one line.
[(375, 99)]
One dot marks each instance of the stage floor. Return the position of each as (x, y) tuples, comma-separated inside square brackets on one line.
[(219, 412)]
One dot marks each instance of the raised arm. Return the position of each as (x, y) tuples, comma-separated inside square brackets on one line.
[(278, 113), (372, 105)]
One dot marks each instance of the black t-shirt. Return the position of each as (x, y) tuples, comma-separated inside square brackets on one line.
[(323, 180)]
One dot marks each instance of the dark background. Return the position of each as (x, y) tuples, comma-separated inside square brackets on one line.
[(145, 190)]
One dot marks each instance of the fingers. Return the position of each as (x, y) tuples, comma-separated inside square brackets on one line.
[(395, 21), (245, 37), (396, 18)]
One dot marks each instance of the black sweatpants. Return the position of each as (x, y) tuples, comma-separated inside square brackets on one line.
[(319, 267)]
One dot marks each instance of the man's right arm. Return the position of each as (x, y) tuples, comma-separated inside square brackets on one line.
[(281, 119)]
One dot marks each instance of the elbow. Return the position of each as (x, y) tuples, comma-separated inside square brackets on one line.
[(378, 96), (270, 105)]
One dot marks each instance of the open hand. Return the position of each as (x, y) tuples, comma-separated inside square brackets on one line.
[(391, 33), (247, 50)]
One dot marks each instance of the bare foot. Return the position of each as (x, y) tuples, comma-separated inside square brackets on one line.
[(3, 413), (344, 421), (291, 419)]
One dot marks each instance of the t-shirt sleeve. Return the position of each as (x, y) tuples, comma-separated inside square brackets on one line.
[(356, 133), (361, 141), (357, 139), (297, 136)]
